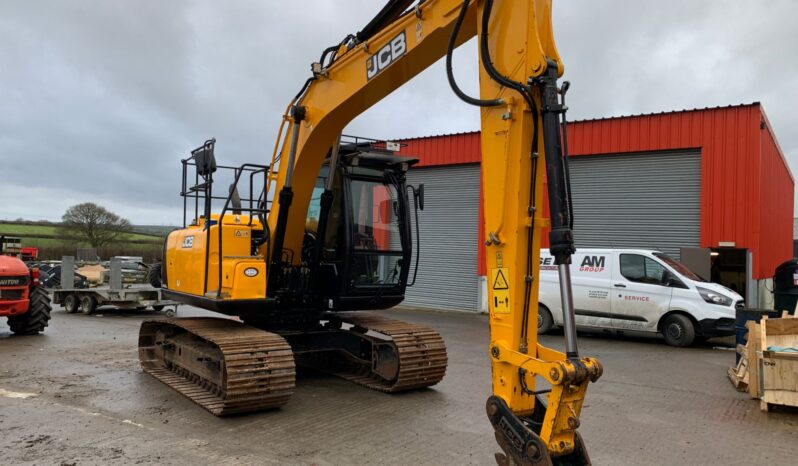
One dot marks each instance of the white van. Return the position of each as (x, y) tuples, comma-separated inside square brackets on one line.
[(637, 290)]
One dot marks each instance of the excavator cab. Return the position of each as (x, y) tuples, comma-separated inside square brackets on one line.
[(365, 255)]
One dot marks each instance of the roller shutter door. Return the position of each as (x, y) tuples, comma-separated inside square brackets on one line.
[(646, 201), (447, 275)]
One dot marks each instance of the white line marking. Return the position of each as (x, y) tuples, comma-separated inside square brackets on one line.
[(19, 395)]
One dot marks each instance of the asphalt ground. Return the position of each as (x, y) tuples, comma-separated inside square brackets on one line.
[(76, 396)]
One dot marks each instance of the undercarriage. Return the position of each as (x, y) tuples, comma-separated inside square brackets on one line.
[(228, 367)]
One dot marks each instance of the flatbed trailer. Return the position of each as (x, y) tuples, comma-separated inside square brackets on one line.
[(87, 300)]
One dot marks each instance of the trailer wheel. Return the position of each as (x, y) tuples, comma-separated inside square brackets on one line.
[(88, 304), (71, 303), (154, 275), (35, 320), (171, 312)]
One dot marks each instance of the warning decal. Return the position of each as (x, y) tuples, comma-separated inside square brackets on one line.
[(500, 281), (500, 302), (242, 234)]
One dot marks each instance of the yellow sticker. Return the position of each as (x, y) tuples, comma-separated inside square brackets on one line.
[(500, 286), (242, 234), (500, 279)]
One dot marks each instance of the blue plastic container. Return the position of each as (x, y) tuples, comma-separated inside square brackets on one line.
[(744, 315)]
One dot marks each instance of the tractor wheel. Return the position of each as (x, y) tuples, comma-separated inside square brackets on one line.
[(88, 304), (154, 275), (71, 303), (35, 320)]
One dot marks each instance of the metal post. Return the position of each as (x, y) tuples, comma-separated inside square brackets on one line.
[(115, 279), (68, 272)]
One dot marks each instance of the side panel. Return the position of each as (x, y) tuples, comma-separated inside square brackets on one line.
[(776, 206), (185, 257), (591, 273), (638, 301)]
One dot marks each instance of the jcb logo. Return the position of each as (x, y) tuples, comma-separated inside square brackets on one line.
[(188, 242), (386, 55), (592, 264)]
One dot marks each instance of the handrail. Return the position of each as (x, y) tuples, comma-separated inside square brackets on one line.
[(253, 169)]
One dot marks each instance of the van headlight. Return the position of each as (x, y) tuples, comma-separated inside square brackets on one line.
[(713, 297)]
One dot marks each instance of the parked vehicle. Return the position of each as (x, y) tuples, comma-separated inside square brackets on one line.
[(638, 290), (137, 296), (22, 299)]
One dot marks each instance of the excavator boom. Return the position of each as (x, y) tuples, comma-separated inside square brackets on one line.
[(295, 280)]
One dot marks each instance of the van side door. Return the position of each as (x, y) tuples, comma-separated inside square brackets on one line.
[(640, 292), (591, 276)]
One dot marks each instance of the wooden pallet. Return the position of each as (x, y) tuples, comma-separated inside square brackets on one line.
[(739, 375)]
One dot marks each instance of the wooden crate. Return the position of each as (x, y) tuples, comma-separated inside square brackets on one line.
[(778, 371), (754, 353)]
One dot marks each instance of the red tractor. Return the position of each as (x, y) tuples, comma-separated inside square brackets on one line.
[(22, 299)]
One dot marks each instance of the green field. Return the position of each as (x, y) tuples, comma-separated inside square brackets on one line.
[(52, 245), (51, 233)]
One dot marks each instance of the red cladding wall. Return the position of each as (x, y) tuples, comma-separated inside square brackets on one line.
[(775, 203), (747, 188)]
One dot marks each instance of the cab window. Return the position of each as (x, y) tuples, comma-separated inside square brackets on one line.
[(641, 269)]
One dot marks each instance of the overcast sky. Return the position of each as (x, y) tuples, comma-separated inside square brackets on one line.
[(100, 100)]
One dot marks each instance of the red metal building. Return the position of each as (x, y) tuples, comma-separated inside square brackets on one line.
[(743, 188)]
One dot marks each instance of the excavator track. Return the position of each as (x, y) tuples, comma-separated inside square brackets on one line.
[(421, 351), (222, 365)]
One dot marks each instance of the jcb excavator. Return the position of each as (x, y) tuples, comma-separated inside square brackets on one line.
[(329, 235)]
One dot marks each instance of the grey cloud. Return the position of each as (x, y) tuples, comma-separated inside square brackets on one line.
[(102, 99)]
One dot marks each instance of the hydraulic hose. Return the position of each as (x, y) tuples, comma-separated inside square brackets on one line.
[(450, 74)]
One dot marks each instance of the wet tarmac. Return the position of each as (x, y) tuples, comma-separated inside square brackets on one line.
[(76, 396)]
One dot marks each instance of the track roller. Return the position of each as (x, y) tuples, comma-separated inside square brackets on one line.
[(221, 364)]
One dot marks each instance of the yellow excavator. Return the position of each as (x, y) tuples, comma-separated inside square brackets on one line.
[(298, 249)]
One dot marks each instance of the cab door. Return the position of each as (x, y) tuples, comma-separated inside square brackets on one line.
[(591, 278), (640, 292)]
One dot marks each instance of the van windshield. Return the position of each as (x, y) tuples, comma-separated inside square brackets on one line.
[(678, 266)]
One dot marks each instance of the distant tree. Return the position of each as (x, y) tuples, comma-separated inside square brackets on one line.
[(94, 224)]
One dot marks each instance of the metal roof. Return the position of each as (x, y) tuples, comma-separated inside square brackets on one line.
[(585, 120)]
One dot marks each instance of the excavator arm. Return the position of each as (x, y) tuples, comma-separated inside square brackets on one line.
[(521, 143)]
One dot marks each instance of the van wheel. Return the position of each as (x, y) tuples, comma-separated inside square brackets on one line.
[(678, 330), (545, 321)]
